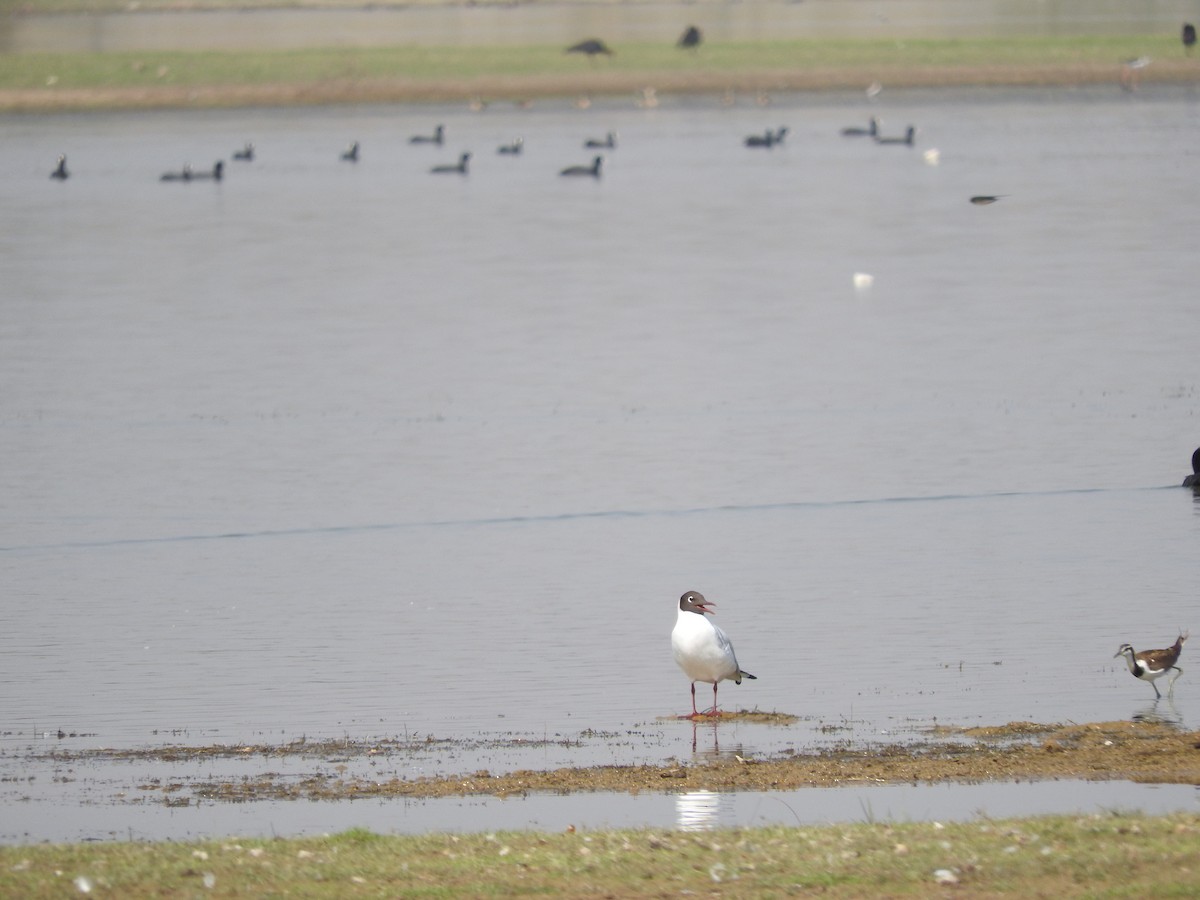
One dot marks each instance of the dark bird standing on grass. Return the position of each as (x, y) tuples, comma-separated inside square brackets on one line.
[(1193, 480), (592, 47), (1152, 664), (1189, 37), (60, 171), (437, 137), (690, 39), (593, 170), (703, 650), (460, 167)]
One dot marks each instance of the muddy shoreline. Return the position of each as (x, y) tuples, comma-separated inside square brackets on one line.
[(615, 84), (1142, 752)]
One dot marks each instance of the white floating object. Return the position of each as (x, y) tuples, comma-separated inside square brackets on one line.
[(932, 156), (863, 281)]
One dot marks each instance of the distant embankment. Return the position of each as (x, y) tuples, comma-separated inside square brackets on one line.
[(544, 22)]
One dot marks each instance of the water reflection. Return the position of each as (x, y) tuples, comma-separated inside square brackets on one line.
[(707, 749), (700, 810), (1161, 712)]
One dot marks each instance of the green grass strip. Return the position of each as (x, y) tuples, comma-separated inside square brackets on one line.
[(180, 69), (1111, 855)]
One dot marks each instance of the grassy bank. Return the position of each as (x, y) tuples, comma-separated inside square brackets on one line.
[(1114, 855), (107, 80)]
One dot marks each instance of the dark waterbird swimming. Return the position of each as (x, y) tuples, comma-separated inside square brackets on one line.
[(460, 167), (608, 142), (1189, 37), (350, 154), (60, 171), (768, 138), (187, 173), (512, 149), (871, 130), (906, 141), (437, 137), (591, 47), (1193, 480), (985, 199), (246, 154), (593, 170)]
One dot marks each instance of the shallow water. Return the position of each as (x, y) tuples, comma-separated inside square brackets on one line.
[(70, 820), (333, 450)]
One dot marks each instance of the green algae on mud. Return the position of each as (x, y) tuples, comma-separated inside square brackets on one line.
[(174, 79)]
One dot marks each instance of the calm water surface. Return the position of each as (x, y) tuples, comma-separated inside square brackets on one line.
[(331, 449)]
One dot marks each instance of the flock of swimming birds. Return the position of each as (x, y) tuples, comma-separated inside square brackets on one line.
[(705, 654), (690, 39), (353, 153)]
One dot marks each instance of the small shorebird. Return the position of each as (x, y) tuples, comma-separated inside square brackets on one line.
[(1193, 480), (702, 649), (1153, 664), (1131, 72)]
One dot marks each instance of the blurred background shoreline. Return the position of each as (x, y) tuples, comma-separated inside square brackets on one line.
[(72, 26), (76, 54)]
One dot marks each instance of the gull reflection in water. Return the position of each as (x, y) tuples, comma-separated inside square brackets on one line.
[(699, 810), (713, 752)]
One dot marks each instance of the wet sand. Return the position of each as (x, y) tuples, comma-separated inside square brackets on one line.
[(1143, 752)]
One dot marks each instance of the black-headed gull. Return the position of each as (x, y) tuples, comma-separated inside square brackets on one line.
[(703, 650)]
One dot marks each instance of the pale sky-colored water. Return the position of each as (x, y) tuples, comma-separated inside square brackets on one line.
[(328, 449)]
